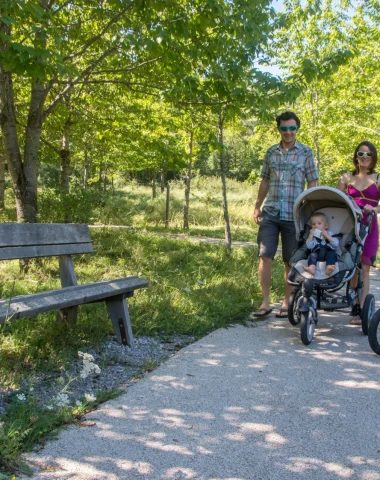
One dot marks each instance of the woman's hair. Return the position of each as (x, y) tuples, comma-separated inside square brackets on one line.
[(372, 149)]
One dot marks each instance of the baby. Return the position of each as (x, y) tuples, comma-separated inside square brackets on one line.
[(319, 237)]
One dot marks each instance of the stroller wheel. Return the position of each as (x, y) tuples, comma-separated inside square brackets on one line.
[(294, 313), (368, 312), (307, 327), (374, 332)]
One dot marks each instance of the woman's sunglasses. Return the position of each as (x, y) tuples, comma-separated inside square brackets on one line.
[(292, 128), (364, 154)]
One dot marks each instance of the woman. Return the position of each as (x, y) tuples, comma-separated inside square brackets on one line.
[(363, 186)]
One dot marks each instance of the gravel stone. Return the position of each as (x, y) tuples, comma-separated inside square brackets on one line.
[(120, 366)]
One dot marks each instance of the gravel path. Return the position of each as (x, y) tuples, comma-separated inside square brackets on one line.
[(119, 367), (243, 403)]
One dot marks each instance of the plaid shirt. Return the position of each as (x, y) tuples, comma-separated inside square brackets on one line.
[(286, 172)]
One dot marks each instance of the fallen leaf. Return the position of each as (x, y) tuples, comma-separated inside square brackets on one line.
[(87, 423)]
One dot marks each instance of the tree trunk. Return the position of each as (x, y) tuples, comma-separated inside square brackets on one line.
[(154, 192), (314, 121), (105, 179), (23, 170), (33, 135), (9, 133), (65, 157), (2, 181), (162, 180), (32, 142), (167, 207), (188, 184), (100, 175), (86, 167), (227, 229)]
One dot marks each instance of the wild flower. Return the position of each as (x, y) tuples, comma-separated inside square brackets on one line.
[(90, 397), (88, 365), (187, 289), (78, 403), (21, 397), (62, 400), (86, 356)]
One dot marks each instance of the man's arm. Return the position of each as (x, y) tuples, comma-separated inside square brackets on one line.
[(263, 191), (313, 183), (311, 170)]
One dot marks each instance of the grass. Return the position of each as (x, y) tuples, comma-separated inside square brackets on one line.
[(194, 289), (132, 205), (27, 423)]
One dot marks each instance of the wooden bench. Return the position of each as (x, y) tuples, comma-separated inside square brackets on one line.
[(33, 240)]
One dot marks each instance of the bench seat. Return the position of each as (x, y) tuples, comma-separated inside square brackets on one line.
[(31, 305)]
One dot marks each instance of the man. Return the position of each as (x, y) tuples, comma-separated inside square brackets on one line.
[(286, 167)]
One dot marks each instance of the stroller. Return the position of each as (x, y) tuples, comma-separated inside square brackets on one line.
[(334, 291)]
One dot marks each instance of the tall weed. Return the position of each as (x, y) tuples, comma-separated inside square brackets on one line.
[(132, 205)]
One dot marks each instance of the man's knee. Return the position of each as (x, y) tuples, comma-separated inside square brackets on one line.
[(265, 261), (288, 240)]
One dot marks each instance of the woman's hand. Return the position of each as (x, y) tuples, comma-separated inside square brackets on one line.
[(369, 208)]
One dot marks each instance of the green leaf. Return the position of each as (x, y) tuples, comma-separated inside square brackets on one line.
[(7, 20)]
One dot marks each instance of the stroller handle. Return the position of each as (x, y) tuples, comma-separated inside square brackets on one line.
[(368, 223)]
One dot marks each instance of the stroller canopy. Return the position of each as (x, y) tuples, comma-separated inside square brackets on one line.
[(326, 199)]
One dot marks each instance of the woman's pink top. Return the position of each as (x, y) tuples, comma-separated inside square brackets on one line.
[(368, 196)]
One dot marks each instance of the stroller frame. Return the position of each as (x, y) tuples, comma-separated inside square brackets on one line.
[(311, 295)]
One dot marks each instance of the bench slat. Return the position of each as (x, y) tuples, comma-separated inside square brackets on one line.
[(31, 240), (25, 234), (31, 305), (44, 251)]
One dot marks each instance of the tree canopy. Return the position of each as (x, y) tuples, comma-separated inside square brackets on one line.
[(98, 89)]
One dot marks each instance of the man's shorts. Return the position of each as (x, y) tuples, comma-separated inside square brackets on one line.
[(269, 231)]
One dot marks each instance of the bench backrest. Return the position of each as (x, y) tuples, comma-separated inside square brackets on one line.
[(30, 240)]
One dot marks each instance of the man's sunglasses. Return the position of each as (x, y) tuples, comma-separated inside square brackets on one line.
[(292, 128), (364, 154)]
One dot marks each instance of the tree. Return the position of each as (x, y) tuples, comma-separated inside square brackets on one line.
[(50, 48), (339, 106)]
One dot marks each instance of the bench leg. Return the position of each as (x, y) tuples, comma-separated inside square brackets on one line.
[(118, 311), (68, 315)]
